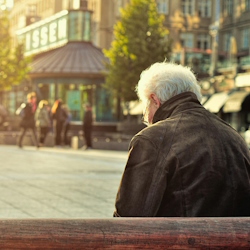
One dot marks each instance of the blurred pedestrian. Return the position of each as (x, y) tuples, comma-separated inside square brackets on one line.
[(3, 114), (59, 115), (66, 125), (187, 162), (42, 120), (50, 118), (27, 112), (87, 126)]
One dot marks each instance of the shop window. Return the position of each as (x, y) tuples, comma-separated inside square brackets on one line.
[(203, 41), (73, 102), (187, 40), (103, 105), (245, 38), (187, 7), (162, 6), (204, 8)]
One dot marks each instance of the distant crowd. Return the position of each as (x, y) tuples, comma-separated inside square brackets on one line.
[(45, 119)]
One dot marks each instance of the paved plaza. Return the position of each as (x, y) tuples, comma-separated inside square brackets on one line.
[(58, 182)]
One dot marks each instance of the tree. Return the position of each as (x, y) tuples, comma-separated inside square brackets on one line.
[(13, 64), (140, 39)]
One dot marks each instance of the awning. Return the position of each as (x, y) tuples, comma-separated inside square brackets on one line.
[(234, 101), (215, 102), (75, 59), (204, 99), (242, 80)]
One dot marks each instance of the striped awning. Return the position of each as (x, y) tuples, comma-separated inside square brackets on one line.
[(215, 102)]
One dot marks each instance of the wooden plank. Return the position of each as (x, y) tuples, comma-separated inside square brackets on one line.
[(126, 233)]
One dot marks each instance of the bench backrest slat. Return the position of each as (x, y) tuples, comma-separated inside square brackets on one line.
[(125, 233)]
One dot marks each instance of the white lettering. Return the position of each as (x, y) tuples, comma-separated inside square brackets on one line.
[(52, 32), (44, 35), (62, 28), (35, 39)]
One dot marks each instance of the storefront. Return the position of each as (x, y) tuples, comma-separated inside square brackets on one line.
[(73, 73), (237, 110), (65, 65)]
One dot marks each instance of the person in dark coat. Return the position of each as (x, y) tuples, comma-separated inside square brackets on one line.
[(87, 126), (66, 125), (27, 118), (59, 115), (187, 162)]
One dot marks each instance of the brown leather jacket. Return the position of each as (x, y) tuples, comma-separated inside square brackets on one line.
[(188, 163)]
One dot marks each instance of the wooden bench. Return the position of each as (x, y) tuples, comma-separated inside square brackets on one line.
[(126, 233)]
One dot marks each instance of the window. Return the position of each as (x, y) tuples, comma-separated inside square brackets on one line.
[(204, 8), (226, 41), (247, 5), (228, 7), (187, 40), (203, 41), (162, 6), (245, 39), (187, 7)]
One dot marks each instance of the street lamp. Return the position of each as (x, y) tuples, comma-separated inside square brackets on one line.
[(213, 31)]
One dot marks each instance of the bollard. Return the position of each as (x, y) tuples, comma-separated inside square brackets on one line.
[(74, 142)]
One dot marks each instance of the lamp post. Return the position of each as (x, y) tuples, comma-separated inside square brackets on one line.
[(213, 31)]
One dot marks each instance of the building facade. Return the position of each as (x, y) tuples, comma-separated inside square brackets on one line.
[(230, 83), (210, 36), (66, 63)]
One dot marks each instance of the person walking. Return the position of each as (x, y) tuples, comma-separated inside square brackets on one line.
[(27, 113), (3, 114), (66, 125), (87, 126), (187, 162), (42, 120), (59, 115)]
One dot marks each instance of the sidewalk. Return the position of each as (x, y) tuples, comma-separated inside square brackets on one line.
[(106, 141), (59, 182)]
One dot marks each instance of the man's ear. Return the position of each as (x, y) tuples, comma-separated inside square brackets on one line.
[(155, 100)]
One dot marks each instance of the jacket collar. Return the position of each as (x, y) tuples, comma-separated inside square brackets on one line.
[(177, 103)]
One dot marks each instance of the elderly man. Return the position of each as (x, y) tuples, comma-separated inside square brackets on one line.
[(187, 162)]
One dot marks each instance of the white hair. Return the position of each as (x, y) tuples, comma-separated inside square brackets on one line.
[(166, 80)]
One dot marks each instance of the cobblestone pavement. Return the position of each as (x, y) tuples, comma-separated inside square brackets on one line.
[(58, 182)]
